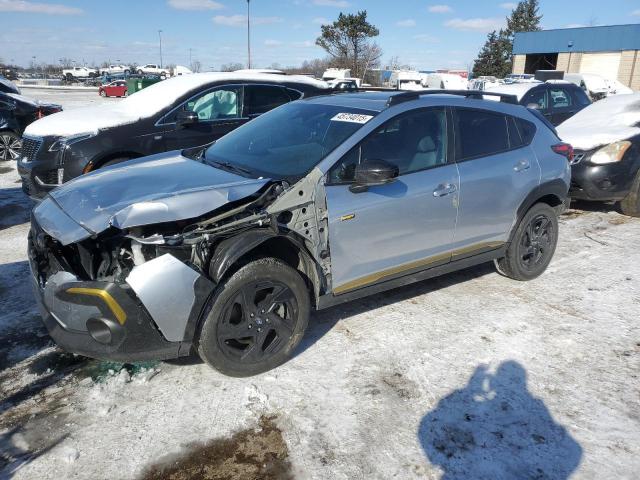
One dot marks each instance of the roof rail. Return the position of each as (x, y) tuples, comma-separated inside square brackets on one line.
[(477, 94)]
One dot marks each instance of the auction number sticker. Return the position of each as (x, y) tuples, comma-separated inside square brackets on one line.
[(352, 117)]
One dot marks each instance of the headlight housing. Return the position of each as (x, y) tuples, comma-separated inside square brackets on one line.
[(610, 153), (64, 142)]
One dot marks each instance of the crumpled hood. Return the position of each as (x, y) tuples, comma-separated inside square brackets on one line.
[(161, 188)]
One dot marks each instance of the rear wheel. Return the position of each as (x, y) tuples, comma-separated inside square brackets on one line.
[(257, 318), (630, 205), (532, 246), (10, 146)]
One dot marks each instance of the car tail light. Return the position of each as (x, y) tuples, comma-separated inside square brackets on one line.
[(40, 114), (564, 149)]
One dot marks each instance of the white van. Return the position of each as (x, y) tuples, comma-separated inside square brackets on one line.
[(445, 81), (405, 80)]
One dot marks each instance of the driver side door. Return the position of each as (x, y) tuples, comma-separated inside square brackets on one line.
[(219, 111), (404, 226)]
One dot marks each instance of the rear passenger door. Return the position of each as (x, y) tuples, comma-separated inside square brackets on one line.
[(392, 229), (498, 169)]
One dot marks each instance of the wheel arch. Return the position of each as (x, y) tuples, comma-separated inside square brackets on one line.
[(98, 162), (234, 252), (554, 193)]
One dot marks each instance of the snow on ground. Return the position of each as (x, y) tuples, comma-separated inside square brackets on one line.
[(471, 375)]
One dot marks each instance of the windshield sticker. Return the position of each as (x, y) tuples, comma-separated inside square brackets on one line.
[(352, 117)]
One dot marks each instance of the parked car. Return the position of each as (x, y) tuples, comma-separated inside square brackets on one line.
[(595, 86), (556, 100), (113, 89), (76, 73), (153, 69), (114, 69), (315, 203), (7, 86), (606, 165), (16, 112), (181, 112)]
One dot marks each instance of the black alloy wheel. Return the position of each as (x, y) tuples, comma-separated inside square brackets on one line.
[(257, 322), (535, 244), (257, 317), (10, 146), (532, 244)]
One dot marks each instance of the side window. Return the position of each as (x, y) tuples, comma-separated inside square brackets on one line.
[(527, 130), (580, 97), (215, 105), (260, 99), (413, 141), (537, 97), (560, 98), (294, 94), (480, 133)]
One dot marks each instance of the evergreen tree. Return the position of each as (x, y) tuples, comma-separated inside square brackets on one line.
[(495, 58)]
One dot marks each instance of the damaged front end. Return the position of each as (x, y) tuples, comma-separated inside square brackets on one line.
[(138, 290)]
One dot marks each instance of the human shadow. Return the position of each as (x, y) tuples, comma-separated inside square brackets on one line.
[(493, 428)]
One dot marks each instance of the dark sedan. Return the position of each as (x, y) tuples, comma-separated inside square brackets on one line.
[(16, 113), (606, 141), (182, 112)]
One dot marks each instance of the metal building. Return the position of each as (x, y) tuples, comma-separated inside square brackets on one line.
[(611, 51)]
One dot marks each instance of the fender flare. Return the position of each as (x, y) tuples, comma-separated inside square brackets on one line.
[(556, 188), (230, 250)]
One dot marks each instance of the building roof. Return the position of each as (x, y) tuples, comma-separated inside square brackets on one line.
[(585, 39)]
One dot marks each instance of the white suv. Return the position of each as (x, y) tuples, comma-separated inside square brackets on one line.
[(79, 72), (111, 69), (152, 68)]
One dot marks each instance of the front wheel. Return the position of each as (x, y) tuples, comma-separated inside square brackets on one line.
[(103, 93), (257, 318), (532, 245), (10, 146), (139, 72)]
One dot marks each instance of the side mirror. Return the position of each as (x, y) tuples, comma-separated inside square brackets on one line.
[(533, 106), (373, 173), (186, 117)]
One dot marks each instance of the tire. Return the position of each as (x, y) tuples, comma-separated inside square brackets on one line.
[(630, 205), (256, 319), (127, 72), (103, 93), (532, 245), (140, 72), (10, 146)]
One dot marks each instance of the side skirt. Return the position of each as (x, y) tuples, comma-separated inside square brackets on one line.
[(329, 299)]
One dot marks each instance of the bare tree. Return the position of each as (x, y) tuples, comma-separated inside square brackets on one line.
[(231, 67), (196, 66)]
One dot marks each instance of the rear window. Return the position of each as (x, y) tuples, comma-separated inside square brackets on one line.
[(480, 133)]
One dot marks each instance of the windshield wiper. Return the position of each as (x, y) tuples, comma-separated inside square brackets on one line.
[(231, 167)]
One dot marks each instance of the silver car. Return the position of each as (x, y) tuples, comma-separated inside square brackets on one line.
[(317, 202)]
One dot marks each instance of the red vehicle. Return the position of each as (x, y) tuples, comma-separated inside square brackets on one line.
[(114, 89)]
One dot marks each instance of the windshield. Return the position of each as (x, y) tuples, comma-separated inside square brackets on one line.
[(287, 142)]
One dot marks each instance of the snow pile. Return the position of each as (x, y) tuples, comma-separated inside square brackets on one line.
[(609, 120), (146, 103), (517, 89)]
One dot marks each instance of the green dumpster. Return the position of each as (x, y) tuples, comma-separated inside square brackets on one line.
[(136, 84)]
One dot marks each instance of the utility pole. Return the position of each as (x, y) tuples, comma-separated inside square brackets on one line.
[(190, 61), (160, 37), (248, 35)]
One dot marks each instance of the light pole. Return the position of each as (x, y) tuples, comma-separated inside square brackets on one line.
[(160, 37), (248, 34), (190, 60)]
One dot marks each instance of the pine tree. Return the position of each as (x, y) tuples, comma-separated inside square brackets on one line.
[(495, 58)]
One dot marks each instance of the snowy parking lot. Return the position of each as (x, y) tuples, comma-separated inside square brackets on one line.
[(467, 376)]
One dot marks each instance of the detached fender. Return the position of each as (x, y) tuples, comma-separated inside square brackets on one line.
[(230, 250)]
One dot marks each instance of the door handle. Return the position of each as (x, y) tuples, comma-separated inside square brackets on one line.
[(522, 165), (444, 189)]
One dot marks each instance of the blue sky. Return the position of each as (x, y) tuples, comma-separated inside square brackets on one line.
[(426, 35)]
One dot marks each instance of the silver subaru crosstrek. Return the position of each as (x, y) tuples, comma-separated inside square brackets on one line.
[(225, 252)]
